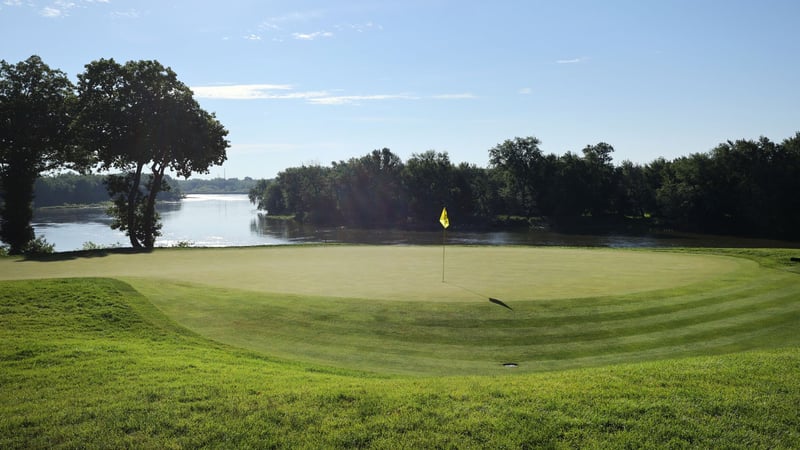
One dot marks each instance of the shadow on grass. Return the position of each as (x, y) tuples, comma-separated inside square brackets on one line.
[(491, 299), (80, 254)]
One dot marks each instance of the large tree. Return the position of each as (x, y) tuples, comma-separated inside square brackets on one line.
[(369, 189), (520, 163), (428, 179), (138, 118), (35, 102)]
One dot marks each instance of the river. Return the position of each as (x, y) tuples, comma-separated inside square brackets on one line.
[(227, 220)]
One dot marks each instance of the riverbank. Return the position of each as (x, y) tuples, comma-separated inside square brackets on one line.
[(226, 220)]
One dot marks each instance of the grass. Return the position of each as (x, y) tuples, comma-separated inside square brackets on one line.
[(472, 274), (104, 362)]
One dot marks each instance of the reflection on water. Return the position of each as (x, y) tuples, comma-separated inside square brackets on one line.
[(231, 220), (297, 233)]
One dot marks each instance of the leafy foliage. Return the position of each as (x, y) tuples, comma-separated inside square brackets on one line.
[(35, 109), (742, 187), (38, 246), (81, 189), (137, 117), (215, 185)]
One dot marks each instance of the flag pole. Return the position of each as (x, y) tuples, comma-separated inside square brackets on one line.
[(445, 221), (444, 238)]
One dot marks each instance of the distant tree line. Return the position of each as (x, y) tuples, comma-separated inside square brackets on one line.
[(741, 187), (215, 185), (82, 189), (77, 189)]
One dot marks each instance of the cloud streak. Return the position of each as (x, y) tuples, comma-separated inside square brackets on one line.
[(312, 36), (462, 96), (241, 91), (356, 99), (287, 92), (58, 8), (128, 14), (570, 61)]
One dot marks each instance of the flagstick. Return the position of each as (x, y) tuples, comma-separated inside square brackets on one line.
[(444, 238)]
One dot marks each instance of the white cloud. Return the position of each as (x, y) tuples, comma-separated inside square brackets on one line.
[(277, 23), (240, 91), (359, 27), (463, 96), (129, 14), (295, 16), (570, 61), (51, 12), (354, 99), (287, 92), (252, 37), (59, 8), (13, 2), (312, 36), (525, 91)]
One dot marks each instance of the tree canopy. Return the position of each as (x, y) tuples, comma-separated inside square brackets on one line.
[(35, 111), (742, 187), (140, 119)]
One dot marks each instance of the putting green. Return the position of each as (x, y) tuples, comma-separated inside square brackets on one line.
[(385, 309), (406, 273)]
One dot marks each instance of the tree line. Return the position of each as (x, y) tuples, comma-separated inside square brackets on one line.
[(741, 187), (135, 119), (215, 185), (83, 189)]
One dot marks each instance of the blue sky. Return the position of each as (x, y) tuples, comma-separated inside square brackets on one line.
[(303, 82)]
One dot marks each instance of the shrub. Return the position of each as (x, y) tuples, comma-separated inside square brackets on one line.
[(38, 246)]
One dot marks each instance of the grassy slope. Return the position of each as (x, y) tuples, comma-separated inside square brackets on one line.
[(91, 363)]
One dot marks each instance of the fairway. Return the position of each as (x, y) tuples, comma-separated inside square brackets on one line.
[(404, 273)]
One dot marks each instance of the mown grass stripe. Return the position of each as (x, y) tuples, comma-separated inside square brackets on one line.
[(452, 330), (489, 351)]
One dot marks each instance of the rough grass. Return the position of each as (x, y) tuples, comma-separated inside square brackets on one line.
[(96, 362)]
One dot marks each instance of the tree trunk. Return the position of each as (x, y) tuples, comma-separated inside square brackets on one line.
[(16, 229), (133, 202), (149, 221)]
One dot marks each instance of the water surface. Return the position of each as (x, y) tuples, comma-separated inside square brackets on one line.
[(225, 220)]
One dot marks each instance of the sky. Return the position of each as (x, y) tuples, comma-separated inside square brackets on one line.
[(312, 82)]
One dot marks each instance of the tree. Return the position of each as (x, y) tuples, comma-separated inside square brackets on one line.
[(308, 194), (787, 182), (599, 172), (140, 119), (633, 195), (368, 190), (35, 105), (428, 179), (520, 162)]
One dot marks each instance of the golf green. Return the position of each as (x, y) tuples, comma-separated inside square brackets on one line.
[(385, 309), (405, 273)]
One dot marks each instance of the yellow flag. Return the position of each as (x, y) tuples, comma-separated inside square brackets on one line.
[(443, 218)]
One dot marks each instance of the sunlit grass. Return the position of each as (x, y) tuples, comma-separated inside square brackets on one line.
[(746, 308), (402, 273), (92, 362)]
